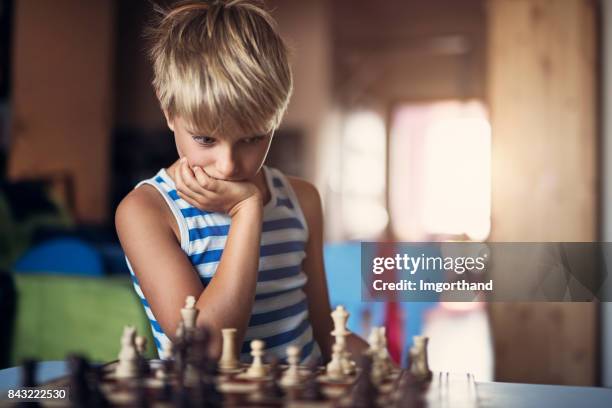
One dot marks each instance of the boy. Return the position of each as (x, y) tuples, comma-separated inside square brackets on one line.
[(243, 239)]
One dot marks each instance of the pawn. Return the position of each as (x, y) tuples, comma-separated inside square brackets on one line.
[(257, 368), (292, 377)]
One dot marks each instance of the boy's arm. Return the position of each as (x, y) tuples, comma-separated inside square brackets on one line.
[(319, 308), (166, 276)]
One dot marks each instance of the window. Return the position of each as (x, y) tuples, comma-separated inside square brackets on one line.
[(440, 171)]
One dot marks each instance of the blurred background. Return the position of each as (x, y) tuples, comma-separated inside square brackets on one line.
[(481, 120)]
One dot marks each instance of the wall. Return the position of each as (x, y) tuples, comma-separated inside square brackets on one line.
[(62, 97), (542, 98), (606, 93)]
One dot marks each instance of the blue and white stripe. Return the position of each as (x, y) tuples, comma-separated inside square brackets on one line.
[(280, 311)]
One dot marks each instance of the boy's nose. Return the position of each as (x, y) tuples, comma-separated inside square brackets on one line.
[(226, 167)]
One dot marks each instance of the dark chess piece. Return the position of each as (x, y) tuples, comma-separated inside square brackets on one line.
[(166, 391), (143, 366), (312, 389), (80, 393), (364, 392), (97, 398), (410, 392), (182, 397), (28, 373), (84, 383), (275, 390), (206, 368), (28, 379), (142, 400)]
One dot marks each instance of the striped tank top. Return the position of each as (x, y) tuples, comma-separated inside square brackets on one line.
[(280, 310)]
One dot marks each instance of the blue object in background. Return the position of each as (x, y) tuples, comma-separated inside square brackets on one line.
[(69, 256)]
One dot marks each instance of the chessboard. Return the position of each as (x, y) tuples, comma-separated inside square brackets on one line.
[(187, 376), (91, 386)]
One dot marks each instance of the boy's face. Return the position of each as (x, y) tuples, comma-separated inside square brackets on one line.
[(230, 156)]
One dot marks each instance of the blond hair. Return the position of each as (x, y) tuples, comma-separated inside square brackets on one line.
[(219, 63)]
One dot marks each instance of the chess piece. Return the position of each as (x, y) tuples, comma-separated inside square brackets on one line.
[(384, 352), (142, 400), (311, 389), (80, 393), (97, 398), (257, 369), (141, 345), (410, 392), (128, 356), (229, 360), (419, 365), (292, 377), (340, 317), (167, 350), (275, 372), (84, 383), (180, 331), (28, 373), (28, 379), (140, 342), (189, 313), (334, 368), (197, 358), (375, 352), (364, 392), (182, 397), (163, 373)]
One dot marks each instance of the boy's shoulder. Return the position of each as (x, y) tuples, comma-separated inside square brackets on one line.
[(145, 207), (304, 190), (308, 198)]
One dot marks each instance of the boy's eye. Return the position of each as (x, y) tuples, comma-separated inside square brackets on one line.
[(204, 140)]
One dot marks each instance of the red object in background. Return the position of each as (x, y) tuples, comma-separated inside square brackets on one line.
[(393, 313), (393, 327)]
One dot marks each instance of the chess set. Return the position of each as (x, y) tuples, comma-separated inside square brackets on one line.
[(186, 376)]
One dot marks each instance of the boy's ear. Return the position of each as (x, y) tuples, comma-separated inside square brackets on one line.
[(169, 120)]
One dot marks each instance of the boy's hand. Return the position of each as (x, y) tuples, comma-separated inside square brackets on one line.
[(210, 194)]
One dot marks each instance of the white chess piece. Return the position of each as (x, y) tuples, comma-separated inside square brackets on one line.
[(180, 331), (167, 350), (340, 317), (292, 377), (128, 356), (419, 365), (229, 360), (375, 351), (334, 368), (384, 352), (189, 313), (141, 345), (257, 368)]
